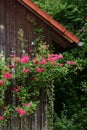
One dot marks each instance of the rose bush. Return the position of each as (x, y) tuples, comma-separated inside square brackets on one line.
[(25, 77)]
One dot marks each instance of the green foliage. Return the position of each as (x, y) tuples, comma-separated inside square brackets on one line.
[(70, 81), (72, 14), (52, 7), (25, 77), (62, 123), (39, 33), (73, 88)]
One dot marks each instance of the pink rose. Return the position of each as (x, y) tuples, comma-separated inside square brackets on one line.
[(70, 62), (27, 104), (26, 70), (7, 75), (12, 66), (40, 69), (60, 56), (21, 111), (44, 61), (60, 64), (35, 78), (2, 82), (25, 59), (17, 89), (54, 57), (2, 118)]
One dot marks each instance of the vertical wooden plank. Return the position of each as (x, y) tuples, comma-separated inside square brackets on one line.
[(2, 25), (43, 109), (30, 28), (7, 27), (9, 125), (20, 23), (47, 35), (27, 123), (44, 116), (39, 119), (10, 25), (33, 122), (2, 35)]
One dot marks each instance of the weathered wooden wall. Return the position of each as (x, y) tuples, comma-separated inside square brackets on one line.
[(37, 122), (13, 16)]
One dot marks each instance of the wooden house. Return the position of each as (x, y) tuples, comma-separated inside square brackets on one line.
[(24, 14)]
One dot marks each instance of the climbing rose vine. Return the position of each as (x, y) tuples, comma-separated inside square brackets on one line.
[(24, 77)]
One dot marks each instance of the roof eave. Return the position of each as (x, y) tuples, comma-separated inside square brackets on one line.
[(50, 21)]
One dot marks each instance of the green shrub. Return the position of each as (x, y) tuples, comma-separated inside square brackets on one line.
[(62, 123)]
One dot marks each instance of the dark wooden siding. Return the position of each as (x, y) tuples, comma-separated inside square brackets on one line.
[(13, 15), (2, 25)]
